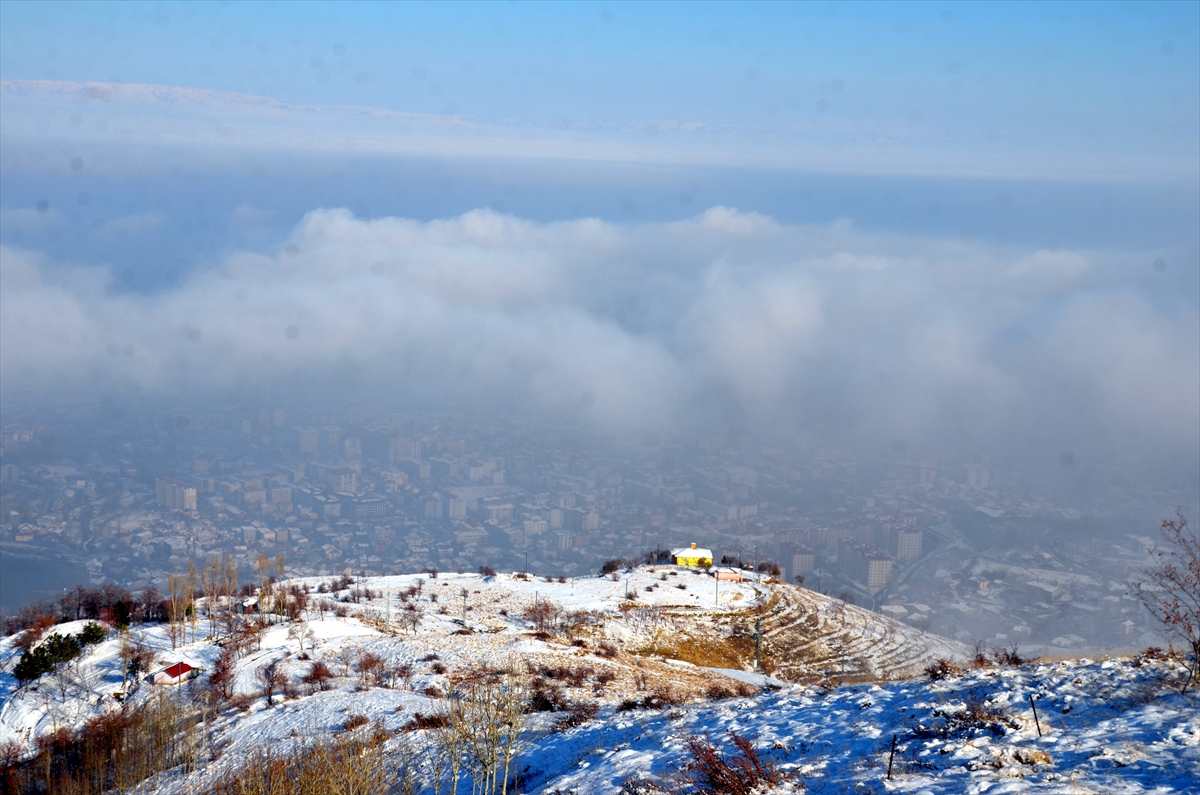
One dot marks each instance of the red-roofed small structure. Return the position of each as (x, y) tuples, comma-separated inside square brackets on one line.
[(175, 674)]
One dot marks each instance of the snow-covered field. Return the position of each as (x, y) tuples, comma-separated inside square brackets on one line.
[(1109, 726)]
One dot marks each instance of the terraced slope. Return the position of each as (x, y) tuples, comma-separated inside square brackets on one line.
[(804, 636), (807, 634)]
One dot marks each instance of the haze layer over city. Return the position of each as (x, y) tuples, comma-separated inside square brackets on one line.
[(902, 298)]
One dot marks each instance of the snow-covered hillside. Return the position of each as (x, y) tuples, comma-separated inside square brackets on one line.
[(670, 664)]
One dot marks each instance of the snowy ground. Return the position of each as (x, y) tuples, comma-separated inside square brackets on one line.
[(1109, 726)]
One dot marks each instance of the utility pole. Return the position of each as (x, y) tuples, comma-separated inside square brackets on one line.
[(716, 589), (464, 596), (758, 644)]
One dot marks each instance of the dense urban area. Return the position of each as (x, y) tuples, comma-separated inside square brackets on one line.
[(962, 549)]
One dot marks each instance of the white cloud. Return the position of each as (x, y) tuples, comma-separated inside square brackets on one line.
[(635, 326)]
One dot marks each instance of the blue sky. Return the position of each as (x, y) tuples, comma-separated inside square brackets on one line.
[(1097, 82)]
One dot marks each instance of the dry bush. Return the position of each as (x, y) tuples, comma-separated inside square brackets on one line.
[(573, 677), (662, 696), (29, 637), (744, 772), (602, 680), (318, 677), (1151, 654), (113, 752), (350, 764), (977, 716), (716, 692), (607, 650), (354, 720), (421, 721), (371, 668), (1010, 656), (981, 659), (543, 615), (942, 669), (577, 714), (547, 697)]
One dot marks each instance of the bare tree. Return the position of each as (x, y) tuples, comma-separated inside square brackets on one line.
[(487, 728), (177, 601), (271, 678), (410, 617), (543, 614), (210, 583), (262, 565), (229, 581), (193, 581), (1171, 589), (344, 657)]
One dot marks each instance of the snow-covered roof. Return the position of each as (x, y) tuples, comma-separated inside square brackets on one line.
[(691, 552)]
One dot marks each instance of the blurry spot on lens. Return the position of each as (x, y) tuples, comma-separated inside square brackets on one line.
[(1160, 264), (685, 199), (362, 78), (316, 62), (1168, 48), (376, 268), (898, 446), (42, 206), (76, 163), (128, 349), (822, 105), (1068, 459), (292, 332), (339, 50), (263, 48), (418, 72), (241, 293), (76, 119), (193, 334), (84, 198), (947, 16), (628, 207), (606, 16), (114, 349), (838, 84), (587, 399), (292, 250)]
